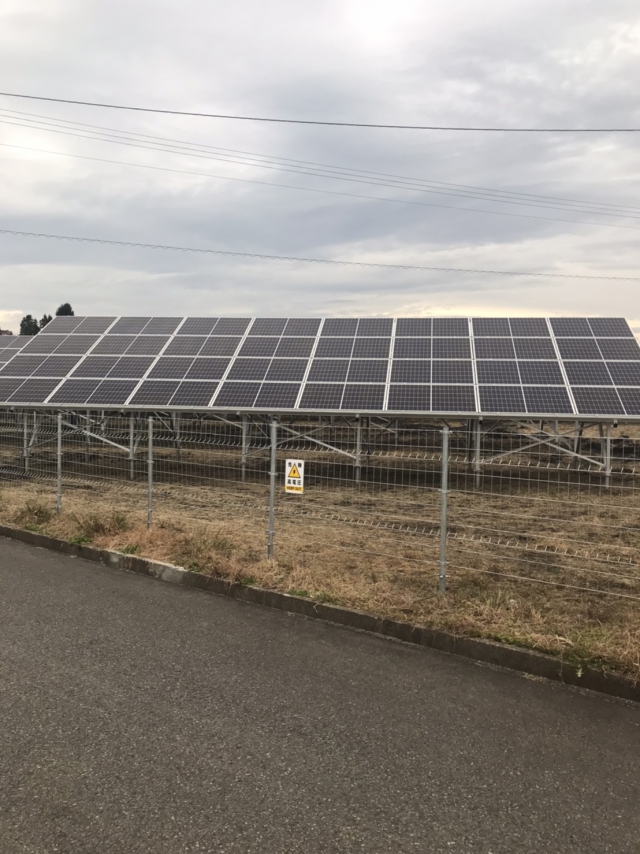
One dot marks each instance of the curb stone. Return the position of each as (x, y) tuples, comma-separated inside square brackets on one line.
[(486, 651)]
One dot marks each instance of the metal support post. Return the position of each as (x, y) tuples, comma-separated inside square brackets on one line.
[(150, 474), (25, 441), (607, 456), (175, 418), (477, 452), (87, 439), (358, 462), (272, 488), (245, 446), (59, 468), (132, 446), (444, 492)]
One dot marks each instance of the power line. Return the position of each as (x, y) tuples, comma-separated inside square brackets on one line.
[(316, 122), (320, 190), (301, 168), (341, 169), (264, 257)]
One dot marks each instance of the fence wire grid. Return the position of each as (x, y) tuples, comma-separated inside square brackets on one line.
[(457, 506)]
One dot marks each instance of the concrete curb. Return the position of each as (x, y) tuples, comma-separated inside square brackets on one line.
[(490, 652)]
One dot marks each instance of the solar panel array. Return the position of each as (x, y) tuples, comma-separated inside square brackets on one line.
[(493, 366)]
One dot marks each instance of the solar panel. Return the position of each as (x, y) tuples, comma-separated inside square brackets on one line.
[(612, 349), (498, 372), (501, 398), (358, 397), (194, 394), (578, 348), (233, 394), (494, 348), (414, 327), (278, 395), (329, 370), (321, 396), (571, 327), (529, 327), (231, 326), (566, 366), (226, 346), (371, 348), (286, 370), (259, 347), (453, 398), (540, 373), (188, 345), (598, 401), (491, 327), (155, 393), (294, 347), (367, 371), (411, 371), (112, 392), (610, 327), (412, 348), (451, 348), (587, 373), (543, 399), (452, 371), (534, 348), (409, 398), (268, 326), (207, 369)]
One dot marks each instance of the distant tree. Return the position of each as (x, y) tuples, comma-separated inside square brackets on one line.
[(29, 325), (46, 318), (64, 310)]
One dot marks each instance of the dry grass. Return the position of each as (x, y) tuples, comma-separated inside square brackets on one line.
[(505, 586)]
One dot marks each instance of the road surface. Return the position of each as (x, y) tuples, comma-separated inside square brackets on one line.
[(137, 716)]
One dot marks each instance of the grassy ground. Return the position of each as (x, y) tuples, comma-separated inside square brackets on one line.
[(518, 562)]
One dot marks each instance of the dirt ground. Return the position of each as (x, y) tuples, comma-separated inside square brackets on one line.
[(555, 569)]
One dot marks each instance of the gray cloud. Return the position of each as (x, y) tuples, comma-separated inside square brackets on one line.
[(531, 63)]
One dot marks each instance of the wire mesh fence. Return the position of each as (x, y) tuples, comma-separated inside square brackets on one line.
[(513, 509)]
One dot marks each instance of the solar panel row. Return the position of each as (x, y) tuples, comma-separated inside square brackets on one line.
[(489, 365)]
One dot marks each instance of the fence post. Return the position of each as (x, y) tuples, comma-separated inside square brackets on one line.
[(25, 441), (272, 487), (607, 456), (444, 491), (245, 446), (150, 474), (477, 453), (132, 447), (358, 459), (59, 468)]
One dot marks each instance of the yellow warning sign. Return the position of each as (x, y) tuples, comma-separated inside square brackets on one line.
[(294, 476)]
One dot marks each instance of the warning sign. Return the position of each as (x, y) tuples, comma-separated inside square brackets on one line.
[(294, 476)]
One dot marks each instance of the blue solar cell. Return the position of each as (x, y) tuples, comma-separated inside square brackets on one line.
[(491, 327), (409, 398), (322, 396), (413, 327), (547, 400), (238, 394), (363, 397), (453, 398)]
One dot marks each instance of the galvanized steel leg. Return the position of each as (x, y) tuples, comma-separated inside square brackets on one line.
[(444, 491), (59, 468), (272, 488), (477, 452), (25, 441), (245, 446), (358, 462), (132, 447), (150, 474), (607, 456)]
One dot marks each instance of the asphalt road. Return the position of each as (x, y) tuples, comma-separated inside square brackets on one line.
[(136, 716)]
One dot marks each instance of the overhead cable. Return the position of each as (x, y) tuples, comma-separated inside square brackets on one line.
[(265, 257)]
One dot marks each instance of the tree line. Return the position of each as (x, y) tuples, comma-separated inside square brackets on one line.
[(30, 326)]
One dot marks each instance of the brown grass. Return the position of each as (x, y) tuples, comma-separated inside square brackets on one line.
[(508, 554)]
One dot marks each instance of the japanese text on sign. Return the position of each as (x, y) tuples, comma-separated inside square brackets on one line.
[(294, 476)]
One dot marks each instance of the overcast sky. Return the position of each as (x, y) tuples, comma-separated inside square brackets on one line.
[(532, 63)]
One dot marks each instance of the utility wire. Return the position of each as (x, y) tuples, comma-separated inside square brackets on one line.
[(264, 257), (313, 164), (315, 122), (320, 190), (372, 179)]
